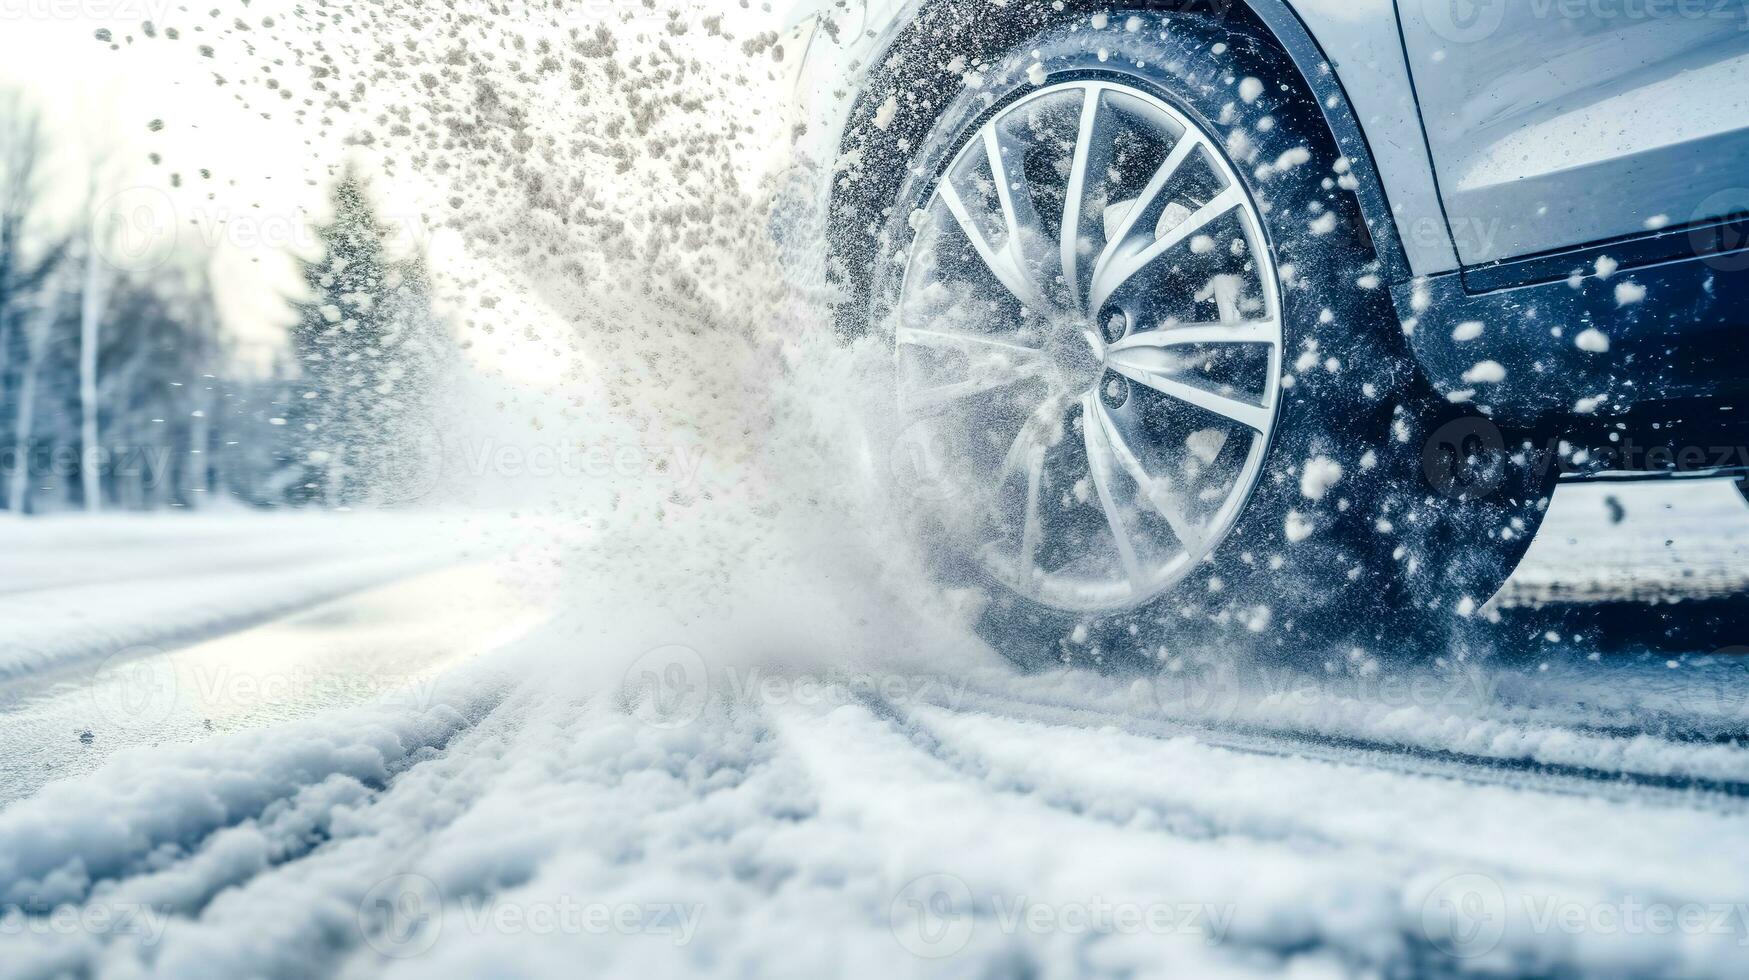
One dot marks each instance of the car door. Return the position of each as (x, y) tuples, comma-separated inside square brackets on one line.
[(1559, 123)]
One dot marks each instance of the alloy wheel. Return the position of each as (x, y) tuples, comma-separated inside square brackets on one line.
[(1089, 334)]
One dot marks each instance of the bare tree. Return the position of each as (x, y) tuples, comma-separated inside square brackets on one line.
[(22, 322), (36, 328), (94, 303)]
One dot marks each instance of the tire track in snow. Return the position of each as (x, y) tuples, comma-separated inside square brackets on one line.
[(1664, 850), (174, 831), (1475, 747), (929, 818), (1415, 832)]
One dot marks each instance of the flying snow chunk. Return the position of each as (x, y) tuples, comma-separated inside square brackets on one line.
[(1325, 223), (1250, 90), (1299, 156), (1206, 444), (1485, 372), (1592, 341), (1467, 331), (1036, 73), (1298, 528), (1585, 406), (1606, 266), (1318, 477), (1658, 221), (884, 114), (1099, 22), (1628, 293)]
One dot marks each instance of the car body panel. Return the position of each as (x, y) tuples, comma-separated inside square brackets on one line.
[(1361, 42), (1555, 123)]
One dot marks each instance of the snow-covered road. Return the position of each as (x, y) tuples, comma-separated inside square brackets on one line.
[(476, 771)]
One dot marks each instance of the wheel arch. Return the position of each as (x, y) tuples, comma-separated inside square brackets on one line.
[(873, 158)]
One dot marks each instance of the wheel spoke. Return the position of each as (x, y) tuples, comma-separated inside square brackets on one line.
[(1034, 433), (1114, 241), (1158, 492), (1001, 263), (1077, 189), (1029, 242), (1099, 468), (1251, 416), (1032, 529), (1119, 267), (1027, 454)]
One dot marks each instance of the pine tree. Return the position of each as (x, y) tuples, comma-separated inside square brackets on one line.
[(369, 350)]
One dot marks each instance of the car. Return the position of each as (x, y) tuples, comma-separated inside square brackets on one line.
[(1281, 316)]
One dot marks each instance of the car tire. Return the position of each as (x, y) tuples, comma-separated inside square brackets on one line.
[(1380, 514)]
